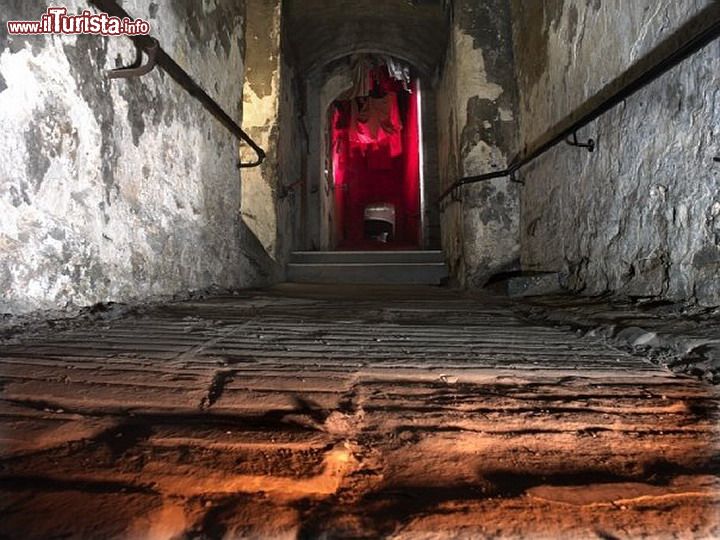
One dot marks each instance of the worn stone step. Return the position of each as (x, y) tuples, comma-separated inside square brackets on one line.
[(366, 257), (368, 267), (373, 273)]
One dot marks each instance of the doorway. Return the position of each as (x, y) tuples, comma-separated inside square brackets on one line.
[(375, 161)]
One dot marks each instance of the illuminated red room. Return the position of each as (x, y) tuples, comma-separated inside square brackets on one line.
[(375, 149)]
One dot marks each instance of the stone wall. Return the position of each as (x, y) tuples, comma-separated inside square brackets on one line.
[(430, 172), (262, 205), (476, 97), (641, 216), (292, 157), (322, 87), (120, 190)]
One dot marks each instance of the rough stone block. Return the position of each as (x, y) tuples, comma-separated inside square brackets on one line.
[(534, 285)]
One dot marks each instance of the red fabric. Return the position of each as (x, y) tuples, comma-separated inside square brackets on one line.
[(376, 122), (376, 162)]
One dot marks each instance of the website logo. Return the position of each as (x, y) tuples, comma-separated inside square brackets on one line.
[(57, 21)]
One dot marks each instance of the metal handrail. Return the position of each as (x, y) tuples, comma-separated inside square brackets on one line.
[(690, 47), (179, 75)]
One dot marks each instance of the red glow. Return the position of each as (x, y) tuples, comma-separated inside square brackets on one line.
[(373, 166)]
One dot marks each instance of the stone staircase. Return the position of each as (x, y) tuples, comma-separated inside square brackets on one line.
[(368, 267)]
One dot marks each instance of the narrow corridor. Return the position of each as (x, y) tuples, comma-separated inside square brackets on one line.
[(302, 411), (383, 269)]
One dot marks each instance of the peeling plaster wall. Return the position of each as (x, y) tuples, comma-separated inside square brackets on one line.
[(476, 97), (119, 190), (272, 116), (263, 207), (641, 216)]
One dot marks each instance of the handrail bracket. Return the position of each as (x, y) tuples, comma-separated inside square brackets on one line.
[(138, 69), (590, 144)]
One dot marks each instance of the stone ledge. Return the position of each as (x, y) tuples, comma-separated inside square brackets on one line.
[(683, 338)]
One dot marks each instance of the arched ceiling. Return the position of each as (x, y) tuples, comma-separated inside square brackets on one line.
[(320, 31)]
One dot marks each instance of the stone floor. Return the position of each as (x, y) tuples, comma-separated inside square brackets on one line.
[(362, 412), (684, 337)]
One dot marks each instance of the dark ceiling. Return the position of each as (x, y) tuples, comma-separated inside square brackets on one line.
[(320, 31)]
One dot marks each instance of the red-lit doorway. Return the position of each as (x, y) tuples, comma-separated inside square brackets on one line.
[(376, 166)]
